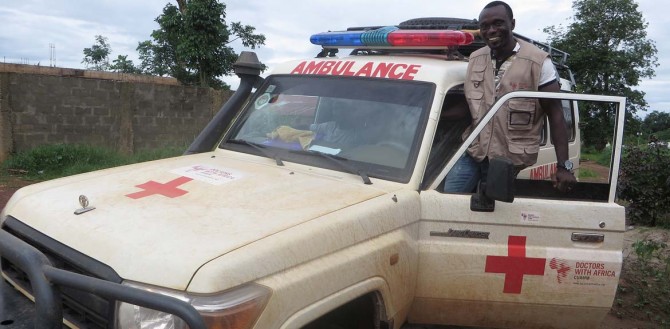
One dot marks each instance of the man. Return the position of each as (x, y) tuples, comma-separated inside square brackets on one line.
[(505, 65)]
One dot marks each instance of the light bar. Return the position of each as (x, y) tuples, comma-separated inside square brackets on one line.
[(350, 39), (391, 36), (430, 38)]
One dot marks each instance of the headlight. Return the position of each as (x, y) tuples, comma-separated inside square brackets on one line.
[(237, 308)]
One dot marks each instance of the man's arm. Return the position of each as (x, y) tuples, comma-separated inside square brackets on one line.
[(564, 178)]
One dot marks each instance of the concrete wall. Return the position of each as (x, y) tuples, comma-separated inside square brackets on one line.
[(121, 111)]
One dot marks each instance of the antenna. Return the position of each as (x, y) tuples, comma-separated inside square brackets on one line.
[(52, 54)]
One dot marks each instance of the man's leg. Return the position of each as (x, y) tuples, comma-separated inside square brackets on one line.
[(464, 176)]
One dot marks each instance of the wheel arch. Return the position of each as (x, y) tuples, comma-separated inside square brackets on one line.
[(373, 291)]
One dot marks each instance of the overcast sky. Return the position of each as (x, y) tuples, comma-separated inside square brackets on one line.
[(29, 27)]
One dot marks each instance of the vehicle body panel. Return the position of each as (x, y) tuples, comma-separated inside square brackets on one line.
[(204, 223)]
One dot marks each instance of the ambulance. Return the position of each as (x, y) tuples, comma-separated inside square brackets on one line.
[(314, 199)]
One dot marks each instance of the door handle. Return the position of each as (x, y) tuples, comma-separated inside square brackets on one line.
[(588, 237)]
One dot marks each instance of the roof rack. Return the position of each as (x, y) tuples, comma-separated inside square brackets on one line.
[(559, 57)]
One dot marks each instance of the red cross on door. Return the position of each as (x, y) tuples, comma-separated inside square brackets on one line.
[(515, 265), (169, 189)]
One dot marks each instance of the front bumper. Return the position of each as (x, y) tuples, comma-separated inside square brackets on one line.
[(46, 283)]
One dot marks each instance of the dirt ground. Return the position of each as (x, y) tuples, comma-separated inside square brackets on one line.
[(9, 185), (627, 311), (642, 298)]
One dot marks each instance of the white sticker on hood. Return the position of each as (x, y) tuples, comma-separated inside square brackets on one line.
[(207, 174)]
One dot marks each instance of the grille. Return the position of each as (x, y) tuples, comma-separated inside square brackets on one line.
[(84, 310)]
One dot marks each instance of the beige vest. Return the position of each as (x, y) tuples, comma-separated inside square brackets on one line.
[(514, 132)]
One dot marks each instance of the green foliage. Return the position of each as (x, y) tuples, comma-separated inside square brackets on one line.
[(663, 135), (192, 43), (609, 54), (153, 61), (53, 161), (645, 183), (648, 249), (657, 121), (653, 283), (123, 65), (602, 157), (97, 56), (587, 173)]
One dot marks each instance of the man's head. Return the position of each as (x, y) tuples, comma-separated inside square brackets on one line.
[(496, 23)]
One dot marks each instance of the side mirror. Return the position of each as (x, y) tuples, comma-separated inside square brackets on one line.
[(500, 180), (499, 185)]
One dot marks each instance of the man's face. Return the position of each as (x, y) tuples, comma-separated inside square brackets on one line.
[(496, 27)]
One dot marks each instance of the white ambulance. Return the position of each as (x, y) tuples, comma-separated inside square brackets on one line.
[(314, 200)]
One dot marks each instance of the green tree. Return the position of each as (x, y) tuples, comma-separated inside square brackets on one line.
[(192, 43), (657, 121), (97, 56), (153, 62), (609, 54), (634, 130), (123, 65)]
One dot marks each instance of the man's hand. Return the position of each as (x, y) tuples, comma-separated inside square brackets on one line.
[(564, 180)]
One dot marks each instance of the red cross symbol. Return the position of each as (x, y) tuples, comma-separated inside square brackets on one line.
[(169, 189), (515, 265)]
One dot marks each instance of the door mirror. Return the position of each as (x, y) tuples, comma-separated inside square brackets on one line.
[(500, 180), (499, 185)]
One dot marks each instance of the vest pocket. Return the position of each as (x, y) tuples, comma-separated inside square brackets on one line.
[(520, 119), (523, 147), (521, 115), (475, 98)]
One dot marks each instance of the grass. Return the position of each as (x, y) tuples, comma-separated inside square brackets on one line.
[(600, 157), (587, 173), (59, 160)]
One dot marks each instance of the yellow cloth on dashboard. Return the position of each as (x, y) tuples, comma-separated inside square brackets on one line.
[(289, 135)]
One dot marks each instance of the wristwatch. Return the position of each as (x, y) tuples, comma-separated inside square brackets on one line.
[(567, 165)]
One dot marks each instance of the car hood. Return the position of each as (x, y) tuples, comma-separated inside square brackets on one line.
[(158, 222)]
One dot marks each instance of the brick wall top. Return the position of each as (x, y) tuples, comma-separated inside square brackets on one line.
[(67, 72)]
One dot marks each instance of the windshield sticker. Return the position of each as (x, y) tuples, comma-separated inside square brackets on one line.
[(324, 149), (582, 272), (528, 217), (262, 100), (207, 174), (351, 68)]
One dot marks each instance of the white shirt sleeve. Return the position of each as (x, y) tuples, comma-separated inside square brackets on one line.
[(548, 73)]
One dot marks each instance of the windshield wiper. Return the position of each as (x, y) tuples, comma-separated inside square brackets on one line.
[(340, 161), (260, 148)]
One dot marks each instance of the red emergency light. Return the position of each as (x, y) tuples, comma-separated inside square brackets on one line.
[(392, 37)]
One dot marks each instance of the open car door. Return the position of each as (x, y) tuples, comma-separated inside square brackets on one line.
[(546, 260)]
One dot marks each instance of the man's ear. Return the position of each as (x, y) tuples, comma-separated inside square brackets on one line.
[(513, 23)]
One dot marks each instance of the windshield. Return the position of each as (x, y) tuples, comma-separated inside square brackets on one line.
[(374, 125)]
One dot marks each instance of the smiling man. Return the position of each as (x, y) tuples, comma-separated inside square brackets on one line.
[(504, 65)]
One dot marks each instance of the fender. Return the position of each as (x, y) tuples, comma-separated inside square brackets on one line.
[(325, 305)]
